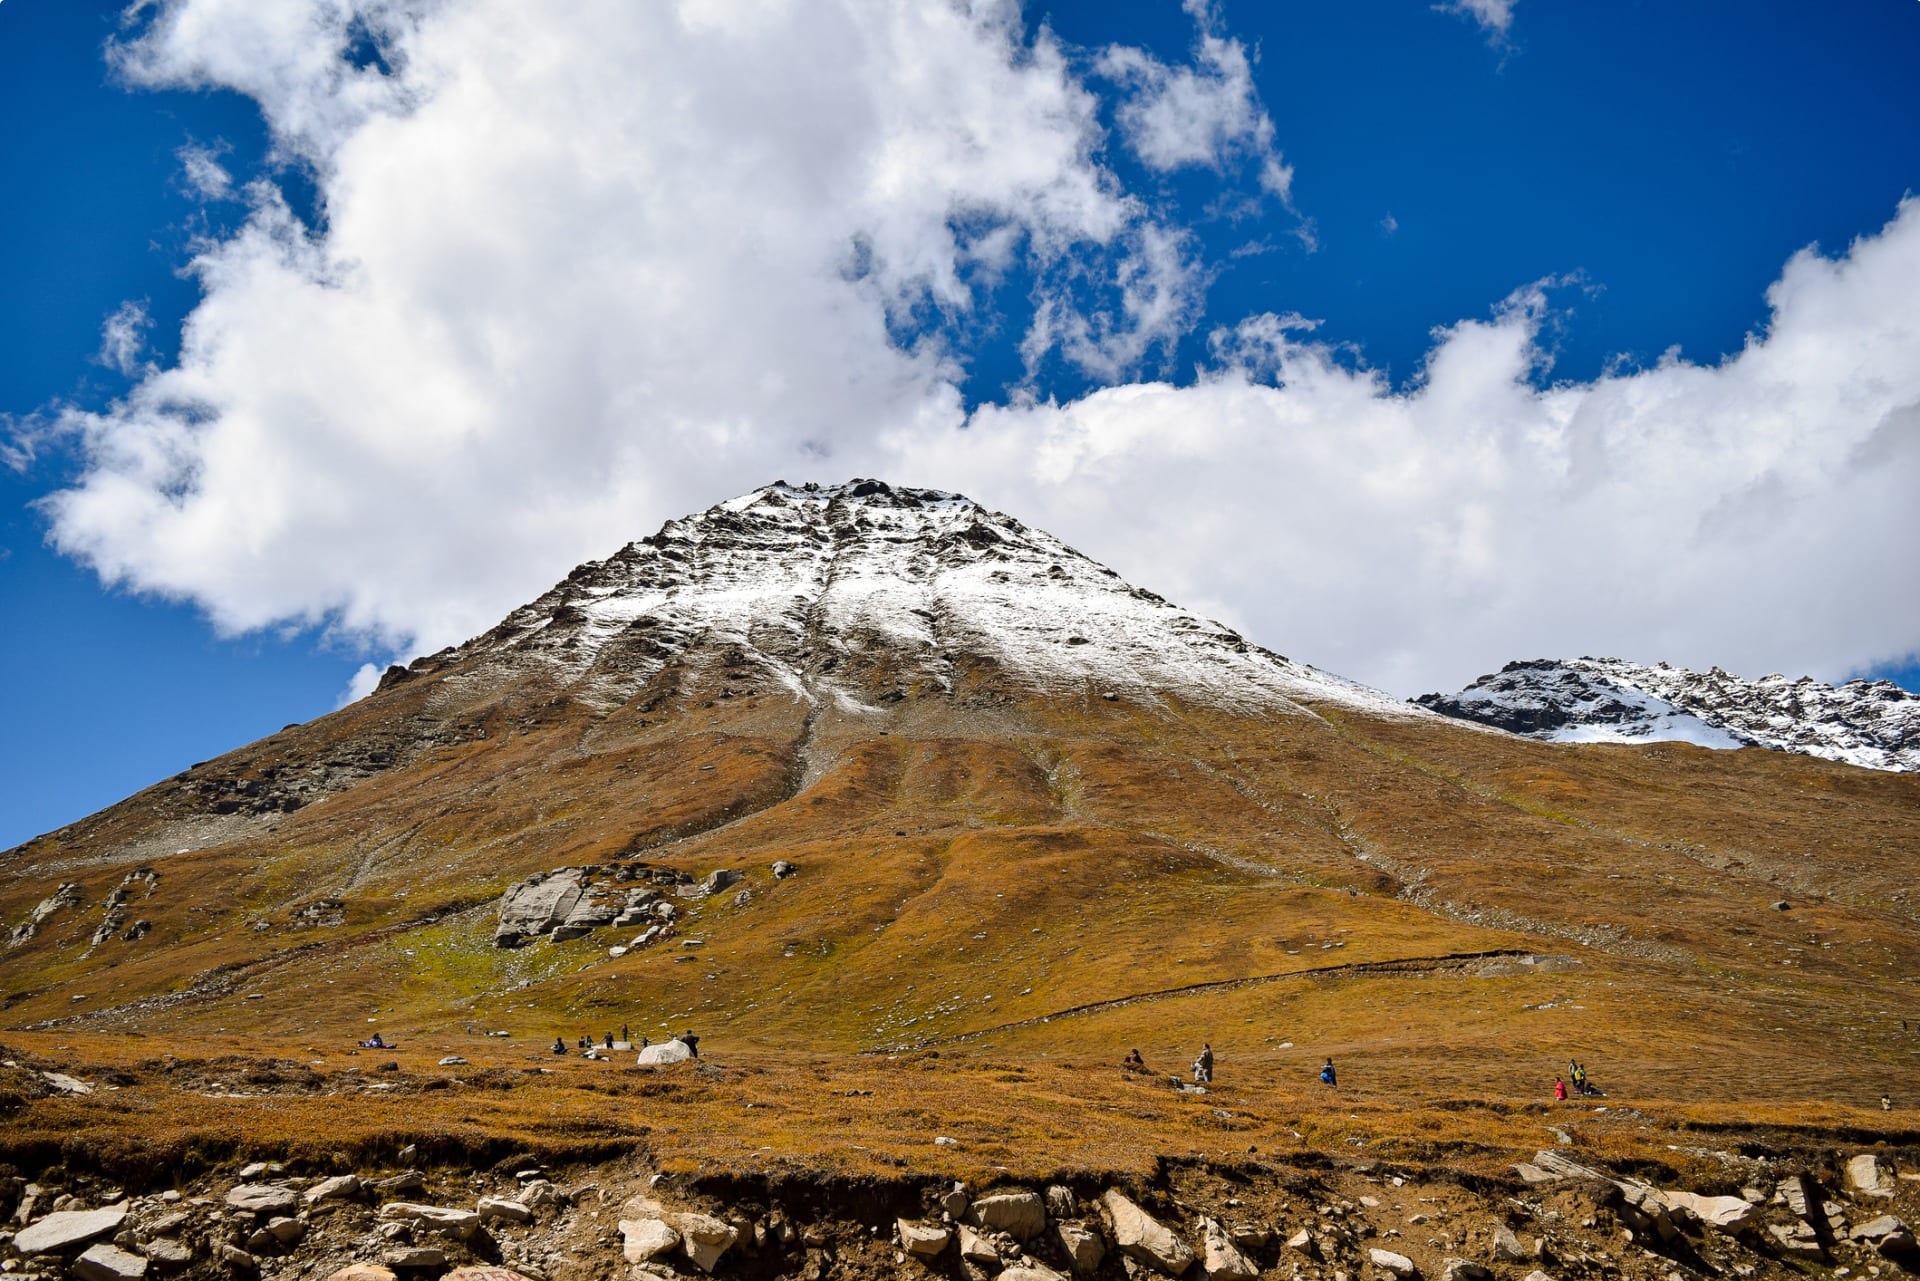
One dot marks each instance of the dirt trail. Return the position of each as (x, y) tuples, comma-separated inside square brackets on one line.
[(1452, 962)]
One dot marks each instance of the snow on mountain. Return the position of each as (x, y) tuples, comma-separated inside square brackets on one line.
[(865, 591), (1605, 700)]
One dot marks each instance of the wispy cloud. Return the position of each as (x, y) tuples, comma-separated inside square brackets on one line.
[(1495, 17), (124, 337)]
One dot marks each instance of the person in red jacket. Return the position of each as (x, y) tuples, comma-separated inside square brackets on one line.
[(1559, 1089)]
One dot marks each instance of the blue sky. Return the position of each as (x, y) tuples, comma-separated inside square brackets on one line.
[(1558, 203)]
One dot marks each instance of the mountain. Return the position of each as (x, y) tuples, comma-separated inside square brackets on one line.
[(921, 819), (1875, 724), (861, 592)]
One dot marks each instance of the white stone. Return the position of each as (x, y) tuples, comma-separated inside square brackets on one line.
[(1084, 1247), (1144, 1239), (647, 1239), (1021, 1213), (458, 1224), (1866, 1178), (975, 1248), (1031, 1271), (1727, 1213), (704, 1238), (922, 1240), (105, 1262), (1223, 1259), (340, 1187), (1506, 1246), (494, 1207), (263, 1198), (1387, 1261), (674, 1051)]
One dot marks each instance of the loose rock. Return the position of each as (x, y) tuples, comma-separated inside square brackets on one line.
[(105, 1262), (493, 1207), (458, 1224), (341, 1187), (1223, 1260), (1084, 1247), (1506, 1246), (1387, 1261), (647, 1239), (1866, 1178), (922, 1240), (704, 1239), (1021, 1214), (1144, 1239), (263, 1198), (64, 1229)]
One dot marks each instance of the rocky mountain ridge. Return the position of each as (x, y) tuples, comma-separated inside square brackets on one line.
[(1874, 724), (864, 593)]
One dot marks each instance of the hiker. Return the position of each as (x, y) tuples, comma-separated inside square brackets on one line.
[(1559, 1089), (692, 1043), (559, 1046), (1328, 1076), (609, 1041), (624, 1036), (1133, 1062), (1579, 1075), (1886, 1103), (375, 1043), (1203, 1066)]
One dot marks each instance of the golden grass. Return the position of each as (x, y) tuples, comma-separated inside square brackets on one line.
[(1028, 890)]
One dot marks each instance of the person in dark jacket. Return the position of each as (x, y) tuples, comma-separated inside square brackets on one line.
[(692, 1043), (1328, 1076)]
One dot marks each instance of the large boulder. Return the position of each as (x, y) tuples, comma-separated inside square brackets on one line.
[(1020, 1213), (1031, 1271), (1865, 1177), (1506, 1246), (539, 903), (674, 1051), (1144, 1239), (64, 1229), (1886, 1234)]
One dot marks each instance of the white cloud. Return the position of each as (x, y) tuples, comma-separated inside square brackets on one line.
[(123, 337), (582, 260), (361, 684), (1207, 115), (203, 173), (1494, 16), (589, 265), (1757, 513)]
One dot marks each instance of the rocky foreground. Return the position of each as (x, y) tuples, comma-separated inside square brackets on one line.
[(1561, 1215)]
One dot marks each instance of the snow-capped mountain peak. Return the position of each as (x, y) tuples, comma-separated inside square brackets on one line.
[(1606, 700), (866, 592)]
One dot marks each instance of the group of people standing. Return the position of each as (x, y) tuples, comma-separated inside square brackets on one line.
[(1203, 1066), (1577, 1073)]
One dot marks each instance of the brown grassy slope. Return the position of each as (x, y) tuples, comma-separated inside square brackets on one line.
[(1005, 880)]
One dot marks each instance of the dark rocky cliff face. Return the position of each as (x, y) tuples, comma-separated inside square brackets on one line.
[(1875, 724)]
